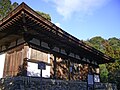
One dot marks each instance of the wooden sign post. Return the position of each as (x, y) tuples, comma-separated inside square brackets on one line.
[(41, 66), (90, 82)]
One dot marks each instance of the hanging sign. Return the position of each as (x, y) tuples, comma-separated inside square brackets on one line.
[(90, 79), (41, 65), (96, 78)]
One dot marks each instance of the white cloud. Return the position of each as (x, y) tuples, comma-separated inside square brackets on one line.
[(68, 7), (57, 24)]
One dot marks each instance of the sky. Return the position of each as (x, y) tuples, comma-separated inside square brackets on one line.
[(83, 19)]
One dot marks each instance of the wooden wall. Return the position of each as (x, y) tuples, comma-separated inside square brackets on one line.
[(38, 55), (14, 58)]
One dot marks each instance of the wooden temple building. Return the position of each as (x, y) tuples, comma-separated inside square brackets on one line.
[(26, 34)]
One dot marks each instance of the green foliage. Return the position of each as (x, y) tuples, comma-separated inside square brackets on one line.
[(6, 7), (14, 5), (114, 42), (97, 42), (46, 16), (103, 73), (110, 72)]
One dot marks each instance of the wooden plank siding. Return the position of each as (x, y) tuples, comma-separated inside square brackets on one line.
[(58, 69), (38, 55), (13, 59)]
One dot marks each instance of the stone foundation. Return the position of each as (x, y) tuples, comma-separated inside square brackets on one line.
[(32, 83)]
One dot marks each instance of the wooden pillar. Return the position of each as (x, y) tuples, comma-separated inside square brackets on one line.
[(97, 70), (69, 73), (55, 66), (68, 62), (6, 65)]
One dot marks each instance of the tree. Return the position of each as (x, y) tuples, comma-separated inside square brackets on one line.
[(14, 5), (103, 73), (109, 72), (6, 7), (114, 42), (96, 42), (46, 16)]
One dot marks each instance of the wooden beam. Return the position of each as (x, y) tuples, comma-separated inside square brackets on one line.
[(55, 66)]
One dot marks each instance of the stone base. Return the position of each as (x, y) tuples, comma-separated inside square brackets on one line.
[(32, 83)]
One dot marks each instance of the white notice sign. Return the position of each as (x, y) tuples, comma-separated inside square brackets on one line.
[(33, 70), (96, 78)]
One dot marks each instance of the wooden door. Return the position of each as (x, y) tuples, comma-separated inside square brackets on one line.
[(13, 59)]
